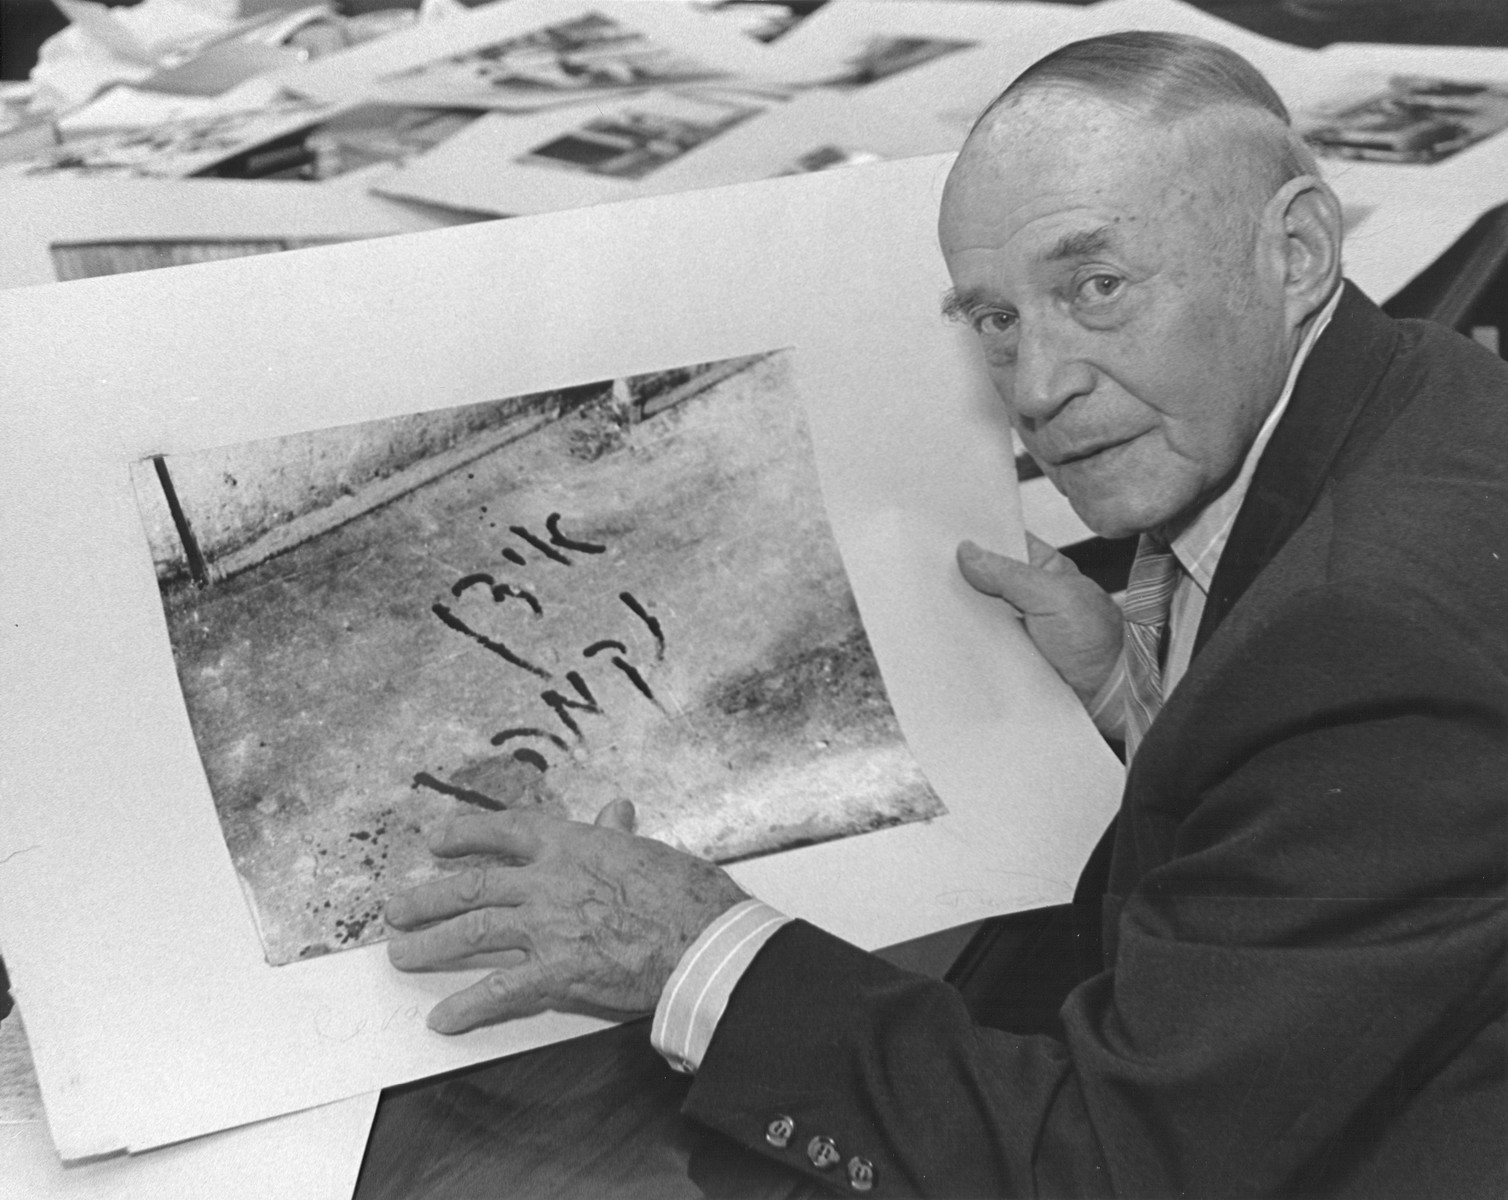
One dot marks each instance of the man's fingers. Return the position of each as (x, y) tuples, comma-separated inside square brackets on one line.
[(477, 887), (515, 991), (1045, 555), (1026, 588), (514, 833), (618, 815), (455, 943)]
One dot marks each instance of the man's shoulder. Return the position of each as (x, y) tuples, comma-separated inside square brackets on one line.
[(1436, 390)]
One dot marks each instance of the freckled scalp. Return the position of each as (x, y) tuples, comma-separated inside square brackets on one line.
[(1169, 79)]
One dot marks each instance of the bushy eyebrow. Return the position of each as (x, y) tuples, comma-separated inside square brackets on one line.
[(956, 305), (1087, 243)]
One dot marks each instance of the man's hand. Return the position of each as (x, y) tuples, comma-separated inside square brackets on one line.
[(1072, 620), (579, 918)]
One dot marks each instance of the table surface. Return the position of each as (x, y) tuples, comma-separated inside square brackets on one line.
[(595, 1117)]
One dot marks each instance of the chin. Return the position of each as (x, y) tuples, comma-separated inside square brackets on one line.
[(1120, 518)]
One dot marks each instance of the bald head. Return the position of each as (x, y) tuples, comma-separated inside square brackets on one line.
[(1234, 126), (1167, 77)]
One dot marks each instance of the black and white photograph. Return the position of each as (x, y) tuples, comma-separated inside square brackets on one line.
[(585, 58), (623, 589), (639, 138), (176, 149), (884, 55), (825, 157), (1414, 119)]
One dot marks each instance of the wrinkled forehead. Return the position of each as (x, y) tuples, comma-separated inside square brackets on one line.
[(1060, 147)]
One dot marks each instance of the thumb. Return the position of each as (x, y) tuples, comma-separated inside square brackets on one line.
[(618, 815), (1029, 589)]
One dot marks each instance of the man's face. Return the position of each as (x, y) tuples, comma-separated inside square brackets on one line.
[(1136, 336)]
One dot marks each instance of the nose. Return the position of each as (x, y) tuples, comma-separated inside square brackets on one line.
[(1049, 372)]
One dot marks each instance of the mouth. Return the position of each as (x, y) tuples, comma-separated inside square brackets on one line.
[(1090, 450)]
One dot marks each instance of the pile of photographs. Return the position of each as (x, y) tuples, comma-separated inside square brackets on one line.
[(528, 106)]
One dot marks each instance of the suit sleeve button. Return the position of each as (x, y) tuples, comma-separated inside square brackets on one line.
[(823, 1153), (860, 1174), (778, 1132)]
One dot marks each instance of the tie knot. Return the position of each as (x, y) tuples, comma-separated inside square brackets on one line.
[(1149, 591)]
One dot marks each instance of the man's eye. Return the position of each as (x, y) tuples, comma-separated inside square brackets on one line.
[(993, 322), (1100, 287)]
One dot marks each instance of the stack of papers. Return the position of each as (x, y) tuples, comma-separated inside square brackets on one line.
[(532, 106)]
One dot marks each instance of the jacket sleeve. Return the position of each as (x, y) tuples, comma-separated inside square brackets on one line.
[(1311, 954)]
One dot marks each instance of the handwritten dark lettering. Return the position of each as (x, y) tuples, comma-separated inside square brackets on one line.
[(543, 547), (650, 622), (563, 704), (502, 591), (502, 651), (604, 644), (466, 581), (480, 799), (635, 678), (552, 523), (526, 731)]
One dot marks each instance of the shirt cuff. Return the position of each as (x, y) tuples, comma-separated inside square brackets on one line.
[(1108, 708), (696, 995)]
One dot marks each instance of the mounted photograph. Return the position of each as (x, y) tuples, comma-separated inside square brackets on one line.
[(626, 589)]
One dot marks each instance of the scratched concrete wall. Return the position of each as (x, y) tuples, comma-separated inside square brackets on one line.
[(233, 495)]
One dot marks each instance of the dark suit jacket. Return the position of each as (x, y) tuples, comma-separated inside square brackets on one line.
[(1304, 927)]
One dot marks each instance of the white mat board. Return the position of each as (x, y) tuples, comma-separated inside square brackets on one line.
[(42, 213), (313, 1155), (127, 938), (358, 71), (840, 30), (479, 169), (1476, 177)]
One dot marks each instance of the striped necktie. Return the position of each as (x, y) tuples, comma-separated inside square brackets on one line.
[(1149, 596)]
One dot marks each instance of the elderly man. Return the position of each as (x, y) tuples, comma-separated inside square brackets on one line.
[(1302, 983)]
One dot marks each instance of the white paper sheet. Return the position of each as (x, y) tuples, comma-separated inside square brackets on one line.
[(128, 941), (954, 87), (43, 213), (1476, 177), (313, 1155), (357, 72), (303, 1156), (480, 169), (826, 46)]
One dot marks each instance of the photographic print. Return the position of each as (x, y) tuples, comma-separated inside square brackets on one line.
[(177, 148), (378, 135), (623, 589), (20, 1097), (1414, 119), (638, 139), (87, 260), (884, 55), (824, 158), (584, 58)]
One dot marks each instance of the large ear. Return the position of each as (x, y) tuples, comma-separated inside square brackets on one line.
[(1306, 217)]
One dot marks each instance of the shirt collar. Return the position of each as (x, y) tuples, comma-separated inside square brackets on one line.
[(1199, 546)]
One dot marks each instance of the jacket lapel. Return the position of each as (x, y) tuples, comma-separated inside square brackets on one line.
[(1342, 371)]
